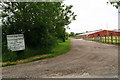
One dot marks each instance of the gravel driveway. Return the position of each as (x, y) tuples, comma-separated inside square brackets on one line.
[(86, 59)]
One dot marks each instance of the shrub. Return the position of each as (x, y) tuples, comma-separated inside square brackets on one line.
[(9, 56)]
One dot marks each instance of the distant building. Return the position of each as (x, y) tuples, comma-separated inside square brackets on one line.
[(100, 33)]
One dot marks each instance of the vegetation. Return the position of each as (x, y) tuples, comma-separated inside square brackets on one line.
[(78, 33), (115, 3), (75, 37), (72, 34), (42, 23), (58, 50)]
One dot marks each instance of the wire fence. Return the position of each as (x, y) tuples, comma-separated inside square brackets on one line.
[(110, 39)]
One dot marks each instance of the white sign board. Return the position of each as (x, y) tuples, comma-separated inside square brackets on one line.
[(15, 42)]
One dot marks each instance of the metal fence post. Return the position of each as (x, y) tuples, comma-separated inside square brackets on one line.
[(116, 39), (108, 39), (105, 38), (111, 38)]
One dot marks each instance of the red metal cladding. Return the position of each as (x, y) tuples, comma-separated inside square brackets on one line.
[(102, 33), (105, 33)]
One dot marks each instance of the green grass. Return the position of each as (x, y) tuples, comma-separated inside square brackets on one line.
[(74, 37), (77, 38), (62, 48)]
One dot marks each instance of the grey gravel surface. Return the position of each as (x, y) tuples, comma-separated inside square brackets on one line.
[(86, 59)]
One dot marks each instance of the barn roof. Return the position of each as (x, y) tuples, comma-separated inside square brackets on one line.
[(87, 33), (118, 30), (91, 32)]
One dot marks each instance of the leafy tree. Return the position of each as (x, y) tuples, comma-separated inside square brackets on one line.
[(78, 33), (42, 23), (66, 35), (115, 3), (65, 18), (72, 34)]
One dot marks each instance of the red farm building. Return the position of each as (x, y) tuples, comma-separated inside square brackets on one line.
[(99, 33)]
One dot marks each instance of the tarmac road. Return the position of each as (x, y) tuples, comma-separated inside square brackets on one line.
[(86, 59)]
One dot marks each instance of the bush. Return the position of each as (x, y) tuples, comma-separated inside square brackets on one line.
[(37, 48), (9, 56), (33, 52)]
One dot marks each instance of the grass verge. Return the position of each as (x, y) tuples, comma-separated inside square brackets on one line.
[(58, 50), (74, 37)]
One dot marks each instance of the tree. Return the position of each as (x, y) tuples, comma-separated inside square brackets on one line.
[(78, 33), (65, 18), (115, 3), (42, 23), (72, 34), (66, 35)]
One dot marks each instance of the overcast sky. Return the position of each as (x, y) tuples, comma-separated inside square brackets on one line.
[(93, 15)]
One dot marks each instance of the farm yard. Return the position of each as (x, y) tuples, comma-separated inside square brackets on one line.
[(40, 39)]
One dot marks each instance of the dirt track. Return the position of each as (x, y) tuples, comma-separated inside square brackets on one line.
[(86, 59)]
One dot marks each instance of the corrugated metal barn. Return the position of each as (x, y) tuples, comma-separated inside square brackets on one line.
[(99, 33)]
